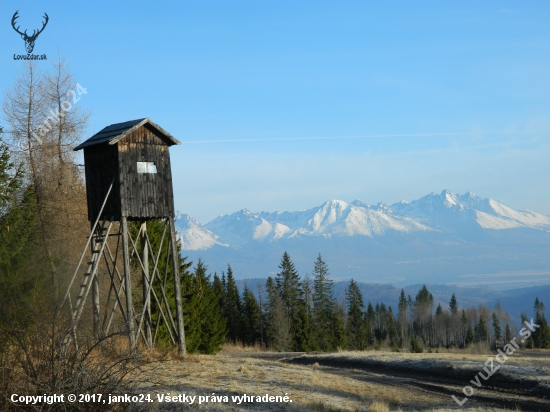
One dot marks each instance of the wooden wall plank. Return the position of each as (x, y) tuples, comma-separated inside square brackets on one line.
[(135, 195)]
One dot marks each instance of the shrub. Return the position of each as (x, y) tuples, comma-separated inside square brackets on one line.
[(415, 346)]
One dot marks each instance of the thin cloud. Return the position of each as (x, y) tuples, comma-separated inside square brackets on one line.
[(372, 136)]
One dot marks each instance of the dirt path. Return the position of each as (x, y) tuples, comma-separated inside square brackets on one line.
[(438, 386)]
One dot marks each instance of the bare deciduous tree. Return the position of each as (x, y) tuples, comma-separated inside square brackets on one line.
[(45, 125)]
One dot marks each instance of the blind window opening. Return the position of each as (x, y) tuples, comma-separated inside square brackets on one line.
[(146, 167)]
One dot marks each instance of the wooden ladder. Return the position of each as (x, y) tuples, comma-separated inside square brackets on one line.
[(98, 245)]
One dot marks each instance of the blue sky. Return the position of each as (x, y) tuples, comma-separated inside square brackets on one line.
[(283, 105)]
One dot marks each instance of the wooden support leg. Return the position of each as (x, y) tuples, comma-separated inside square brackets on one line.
[(145, 283), (128, 283), (177, 289)]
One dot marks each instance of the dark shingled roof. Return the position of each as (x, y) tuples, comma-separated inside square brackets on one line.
[(115, 132)]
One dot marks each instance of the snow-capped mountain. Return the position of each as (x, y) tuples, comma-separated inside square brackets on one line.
[(448, 211), (439, 234), (333, 218), (445, 212), (193, 235)]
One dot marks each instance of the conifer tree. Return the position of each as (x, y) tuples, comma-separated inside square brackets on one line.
[(470, 338), (370, 323), (496, 326), (455, 331), (480, 330), (251, 318), (355, 326), (306, 313), (539, 306), (464, 322), (205, 326), (507, 334), (233, 308), (402, 316), (541, 336), (290, 291), (261, 304), (391, 324), (277, 327), (453, 305), (339, 339), (530, 342), (423, 312), (17, 216), (219, 290), (381, 330), (324, 307), (415, 346), (18, 238)]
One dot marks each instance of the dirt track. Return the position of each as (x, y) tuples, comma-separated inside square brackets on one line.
[(439, 386)]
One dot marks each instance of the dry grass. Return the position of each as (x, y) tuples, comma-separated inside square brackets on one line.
[(479, 348), (310, 387), (379, 407), (240, 347)]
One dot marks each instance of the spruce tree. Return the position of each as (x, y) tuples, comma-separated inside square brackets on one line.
[(324, 310), (261, 304), (18, 240), (277, 328), (251, 318), (339, 339), (453, 305), (233, 308), (219, 290), (496, 326), (464, 322), (381, 331), (530, 342), (18, 216), (480, 330), (205, 326), (423, 312), (370, 323), (402, 316), (355, 326), (541, 336), (539, 306), (290, 291), (308, 334), (507, 334), (391, 324), (470, 338), (454, 322)]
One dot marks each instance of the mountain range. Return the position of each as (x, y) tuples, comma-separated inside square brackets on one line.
[(439, 237)]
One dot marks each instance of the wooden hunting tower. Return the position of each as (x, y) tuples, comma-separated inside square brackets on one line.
[(128, 178), (135, 156)]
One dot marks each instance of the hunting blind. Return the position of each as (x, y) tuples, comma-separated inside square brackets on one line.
[(128, 178)]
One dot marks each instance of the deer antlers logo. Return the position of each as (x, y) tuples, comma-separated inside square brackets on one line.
[(29, 40)]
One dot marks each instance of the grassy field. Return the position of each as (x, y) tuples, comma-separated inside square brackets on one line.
[(348, 381)]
